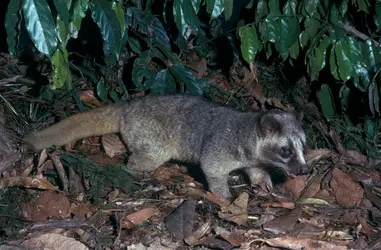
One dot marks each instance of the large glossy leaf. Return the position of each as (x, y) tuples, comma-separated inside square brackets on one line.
[(289, 8), (288, 32), (12, 19), (272, 30), (274, 8), (63, 11), (62, 32), (109, 26), (311, 26), (333, 63), (321, 52), (163, 83), (327, 103), (118, 8), (344, 60), (334, 14), (78, 12), (215, 8), (185, 77), (140, 72), (228, 8), (40, 25), (190, 15), (377, 15), (249, 43), (196, 5), (311, 6), (179, 18), (261, 10), (362, 5), (294, 50), (61, 73), (359, 64), (303, 39)]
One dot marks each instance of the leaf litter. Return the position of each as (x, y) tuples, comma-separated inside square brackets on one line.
[(85, 197)]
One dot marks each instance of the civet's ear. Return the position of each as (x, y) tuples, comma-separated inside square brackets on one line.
[(268, 124)]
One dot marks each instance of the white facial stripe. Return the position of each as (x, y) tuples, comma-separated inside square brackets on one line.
[(298, 147)]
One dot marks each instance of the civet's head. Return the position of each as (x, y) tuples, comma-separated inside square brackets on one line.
[(281, 143)]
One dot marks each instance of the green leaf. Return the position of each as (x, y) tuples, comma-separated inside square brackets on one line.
[(196, 5), (118, 8), (313, 68), (261, 10), (61, 73), (288, 31), (135, 45), (250, 4), (311, 6), (163, 83), (62, 31), (214, 7), (249, 43), (289, 8), (184, 76), (321, 51), (327, 103), (312, 26), (102, 91), (228, 8), (140, 72), (12, 19), (190, 15), (343, 7), (109, 26), (362, 6), (344, 60), (114, 95), (272, 30), (178, 15), (344, 97), (78, 11), (377, 15), (63, 11), (359, 63), (40, 25), (303, 39), (294, 50), (274, 8), (332, 64), (334, 14)]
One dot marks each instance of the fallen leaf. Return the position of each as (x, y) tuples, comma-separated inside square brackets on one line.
[(142, 215), (46, 205), (195, 237), (347, 193), (53, 241), (284, 223), (302, 243), (236, 211), (113, 145), (38, 182), (180, 222)]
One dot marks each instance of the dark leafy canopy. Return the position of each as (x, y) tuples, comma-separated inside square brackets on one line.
[(319, 34)]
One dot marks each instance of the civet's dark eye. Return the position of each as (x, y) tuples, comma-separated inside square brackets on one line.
[(286, 152)]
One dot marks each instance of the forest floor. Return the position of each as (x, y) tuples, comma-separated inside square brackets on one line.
[(83, 197)]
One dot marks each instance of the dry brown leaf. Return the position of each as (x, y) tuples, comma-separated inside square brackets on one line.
[(43, 157), (316, 155), (28, 163), (360, 158), (113, 195), (113, 145), (295, 185), (195, 237), (347, 192), (303, 243), (142, 215), (284, 223), (37, 181), (53, 241), (45, 205), (237, 210), (284, 204)]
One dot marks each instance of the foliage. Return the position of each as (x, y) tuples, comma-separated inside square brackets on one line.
[(329, 41)]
